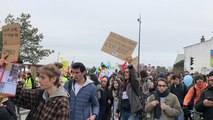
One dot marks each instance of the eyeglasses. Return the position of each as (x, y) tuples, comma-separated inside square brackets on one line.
[(162, 85)]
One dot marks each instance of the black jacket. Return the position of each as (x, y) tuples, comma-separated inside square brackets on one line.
[(105, 107), (8, 112), (207, 111), (180, 91)]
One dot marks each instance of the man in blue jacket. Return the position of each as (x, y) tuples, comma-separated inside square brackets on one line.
[(83, 101)]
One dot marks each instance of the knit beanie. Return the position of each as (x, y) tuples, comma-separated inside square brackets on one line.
[(162, 75)]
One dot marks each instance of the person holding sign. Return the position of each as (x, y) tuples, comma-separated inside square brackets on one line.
[(2, 62), (49, 103), (129, 103), (7, 108)]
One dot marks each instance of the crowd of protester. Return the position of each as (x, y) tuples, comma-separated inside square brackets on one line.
[(126, 95)]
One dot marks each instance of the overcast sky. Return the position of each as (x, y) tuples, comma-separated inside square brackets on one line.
[(77, 29)]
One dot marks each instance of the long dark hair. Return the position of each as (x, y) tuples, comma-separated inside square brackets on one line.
[(119, 83), (129, 75), (117, 92), (94, 78), (107, 84)]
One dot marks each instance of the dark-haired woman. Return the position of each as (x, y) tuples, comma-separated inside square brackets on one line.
[(105, 101), (116, 94)]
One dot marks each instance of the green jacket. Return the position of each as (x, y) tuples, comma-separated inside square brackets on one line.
[(172, 111)]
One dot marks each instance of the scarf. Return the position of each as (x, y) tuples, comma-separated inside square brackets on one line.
[(115, 94), (210, 87), (157, 95)]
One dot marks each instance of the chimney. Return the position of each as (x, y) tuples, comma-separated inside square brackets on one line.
[(202, 39)]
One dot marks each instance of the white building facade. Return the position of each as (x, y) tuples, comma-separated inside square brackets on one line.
[(197, 57)]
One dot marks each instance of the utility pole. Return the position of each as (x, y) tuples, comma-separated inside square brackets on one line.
[(139, 39), (58, 56)]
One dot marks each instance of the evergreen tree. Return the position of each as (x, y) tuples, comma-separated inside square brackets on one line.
[(30, 51)]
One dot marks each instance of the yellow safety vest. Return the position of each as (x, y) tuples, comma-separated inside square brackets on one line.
[(64, 79), (28, 83)]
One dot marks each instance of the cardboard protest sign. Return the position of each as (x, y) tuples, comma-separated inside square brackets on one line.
[(65, 65), (11, 46), (11, 34), (12, 51), (119, 46), (11, 43)]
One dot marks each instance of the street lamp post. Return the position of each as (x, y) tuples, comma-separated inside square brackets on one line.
[(139, 39), (58, 56)]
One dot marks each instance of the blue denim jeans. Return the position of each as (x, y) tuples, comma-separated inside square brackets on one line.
[(126, 115), (181, 116)]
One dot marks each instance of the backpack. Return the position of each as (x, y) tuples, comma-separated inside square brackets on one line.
[(182, 86), (144, 94), (191, 102), (38, 100), (70, 86)]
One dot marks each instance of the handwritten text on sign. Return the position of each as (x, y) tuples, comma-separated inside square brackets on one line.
[(118, 46), (11, 34)]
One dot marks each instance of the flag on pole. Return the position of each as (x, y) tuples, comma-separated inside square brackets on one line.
[(123, 67), (103, 70), (72, 63)]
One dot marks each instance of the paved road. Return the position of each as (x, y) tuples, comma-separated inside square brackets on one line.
[(23, 114)]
